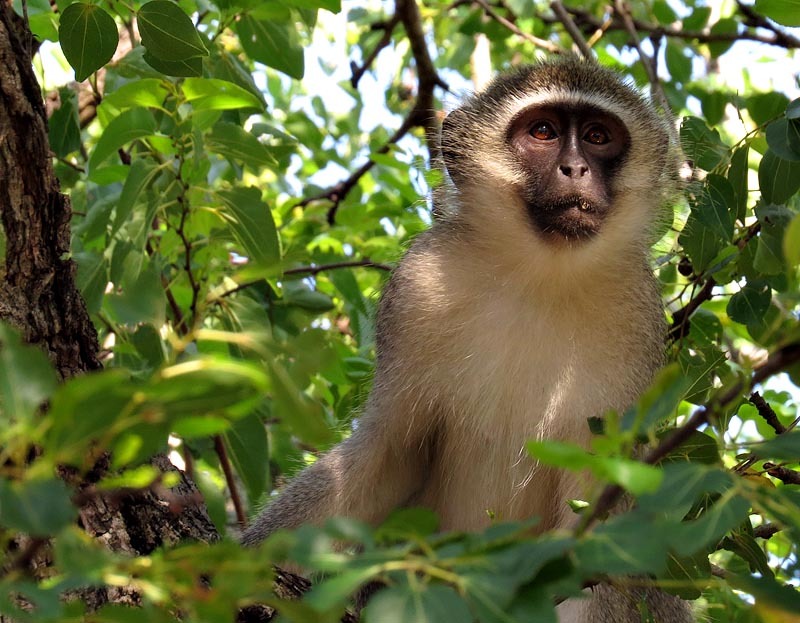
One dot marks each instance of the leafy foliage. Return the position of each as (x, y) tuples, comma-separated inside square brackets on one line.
[(232, 274)]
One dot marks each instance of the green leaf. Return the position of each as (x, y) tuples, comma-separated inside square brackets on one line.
[(130, 125), (145, 93), (142, 300), (678, 64), (407, 604), (406, 522), (778, 179), (82, 410), (793, 109), (785, 12), (141, 175), (660, 401), (186, 68), (766, 107), (635, 476), (749, 305), (716, 206), (300, 295), (253, 226), (168, 33), (92, 278), (700, 243), (26, 377), (64, 130), (207, 387), (88, 37), (698, 448), (702, 144), (697, 18), (273, 43), (783, 138), (304, 415), (725, 26), (37, 507), (212, 94), (785, 447), (738, 176), (791, 242), (625, 545), (232, 141), (334, 6), (249, 451)]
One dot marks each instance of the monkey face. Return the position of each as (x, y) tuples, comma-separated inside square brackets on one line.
[(569, 155)]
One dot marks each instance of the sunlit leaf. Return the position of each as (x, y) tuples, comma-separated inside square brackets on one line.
[(88, 37)]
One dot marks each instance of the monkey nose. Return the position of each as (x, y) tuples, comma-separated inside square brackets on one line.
[(573, 170)]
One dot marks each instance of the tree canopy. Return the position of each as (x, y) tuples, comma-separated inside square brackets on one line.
[(242, 176)]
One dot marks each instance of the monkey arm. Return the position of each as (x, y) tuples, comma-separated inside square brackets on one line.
[(377, 469)]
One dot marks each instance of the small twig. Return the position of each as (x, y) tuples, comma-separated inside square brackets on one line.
[(680, 319), (621, 8), (569, 25), (767, 412), (314, 270), (539, 43), (784, 474), (765, 531), (759, 21), (422, 114), (225, 463), (588, 23), (386, 39)]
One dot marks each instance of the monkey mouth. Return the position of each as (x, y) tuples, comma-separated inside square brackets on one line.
[(571, 217)]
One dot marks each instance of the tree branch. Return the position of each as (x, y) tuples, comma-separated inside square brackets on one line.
[(386, 39), (621, 8), (680, 319), (422, 114), (569, 25), (767, 412), (544, 44)]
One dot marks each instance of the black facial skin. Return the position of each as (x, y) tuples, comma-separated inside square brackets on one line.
[(570, 155)]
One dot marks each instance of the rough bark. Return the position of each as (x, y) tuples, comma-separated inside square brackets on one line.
[(38, 293)]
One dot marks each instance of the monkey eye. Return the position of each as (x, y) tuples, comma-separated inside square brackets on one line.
[(543, 131), (597, 136)]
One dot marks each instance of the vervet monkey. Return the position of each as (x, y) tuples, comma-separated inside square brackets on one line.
[(526, 309)]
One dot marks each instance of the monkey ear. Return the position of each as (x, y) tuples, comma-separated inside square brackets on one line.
[(452, 144)]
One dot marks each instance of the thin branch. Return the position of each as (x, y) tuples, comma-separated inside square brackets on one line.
[(304, 270), (777, 362), (680, 319), (569, 25), (755, 20), (784, 474), (225, 463), (314, 270), (767, 412), (421, 115), (621, 8), (766, 531), (544, 44), (588, 23), (386, 39)]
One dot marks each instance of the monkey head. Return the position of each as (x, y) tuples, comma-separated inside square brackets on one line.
[(563, 150)]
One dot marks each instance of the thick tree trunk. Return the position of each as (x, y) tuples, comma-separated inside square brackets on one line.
[(37, 294)]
